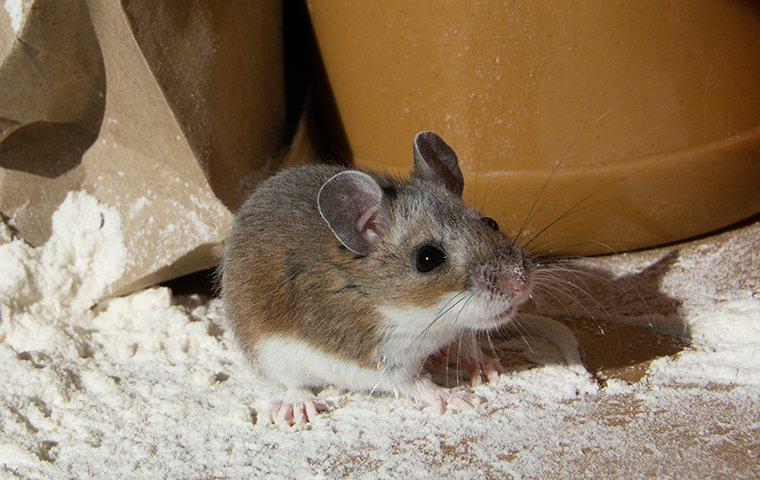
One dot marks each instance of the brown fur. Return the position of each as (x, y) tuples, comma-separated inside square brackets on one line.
[(284, 272)]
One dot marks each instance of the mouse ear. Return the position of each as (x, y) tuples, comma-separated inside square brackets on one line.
[(350, 202), (435, 160)]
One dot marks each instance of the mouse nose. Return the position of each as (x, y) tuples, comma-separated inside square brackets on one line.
[(514, 285), (501, 278)]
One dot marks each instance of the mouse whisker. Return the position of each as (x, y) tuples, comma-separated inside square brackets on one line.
[(516, 324), (379, 380), (531, 213), (571, 211), (542, 253), (448, 352), (456, 321), (557, 287), (491, 344), (591, 297), (527, 332), (565, 266), (549, 291), (437, 317)]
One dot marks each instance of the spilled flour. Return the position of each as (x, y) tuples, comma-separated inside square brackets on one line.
[(153, 386), (14, 9), (40, 287)]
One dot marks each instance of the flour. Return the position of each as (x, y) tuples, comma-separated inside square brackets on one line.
[(137, 206), (726, 348), (15, 10), (155, 386), (40, 286), (5, 233)]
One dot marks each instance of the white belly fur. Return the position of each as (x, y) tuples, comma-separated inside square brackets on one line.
[(408, 336), (296, 364)]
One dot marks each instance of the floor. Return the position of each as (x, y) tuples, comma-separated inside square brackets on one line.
[(629, 366)]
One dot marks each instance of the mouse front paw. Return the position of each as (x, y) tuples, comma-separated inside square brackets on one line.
[(294, 411), (438, 400), (483, 369), (451, 401)]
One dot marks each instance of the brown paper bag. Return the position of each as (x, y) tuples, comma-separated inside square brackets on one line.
[(159, 109)]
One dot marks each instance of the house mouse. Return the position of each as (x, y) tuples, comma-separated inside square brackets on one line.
[(333, 276)]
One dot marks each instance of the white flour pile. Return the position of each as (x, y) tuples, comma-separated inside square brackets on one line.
[(14, 9), (150, 386)]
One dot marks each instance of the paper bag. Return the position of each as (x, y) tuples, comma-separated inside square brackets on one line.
[(162, 110)]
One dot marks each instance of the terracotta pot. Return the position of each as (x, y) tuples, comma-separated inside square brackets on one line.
[(646, 115)]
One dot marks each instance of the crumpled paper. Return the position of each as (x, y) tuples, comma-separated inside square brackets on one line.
[(163, 110)]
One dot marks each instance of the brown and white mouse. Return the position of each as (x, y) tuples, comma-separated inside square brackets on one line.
[(338, 277)]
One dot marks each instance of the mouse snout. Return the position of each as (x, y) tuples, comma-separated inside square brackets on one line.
[(515, 285), (501, 279)]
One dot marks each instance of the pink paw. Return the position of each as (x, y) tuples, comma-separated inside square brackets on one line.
[(296, 412), (486, 369), (441, 402)]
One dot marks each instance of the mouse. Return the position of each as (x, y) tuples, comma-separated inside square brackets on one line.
[(332, 276)]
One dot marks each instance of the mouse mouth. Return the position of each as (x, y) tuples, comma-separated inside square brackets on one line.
[(508, 311)]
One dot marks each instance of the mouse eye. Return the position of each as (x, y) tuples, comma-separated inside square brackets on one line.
[(490, 223), (429, 257)]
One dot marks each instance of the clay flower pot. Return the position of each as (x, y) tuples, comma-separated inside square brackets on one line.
[(648, 113)]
